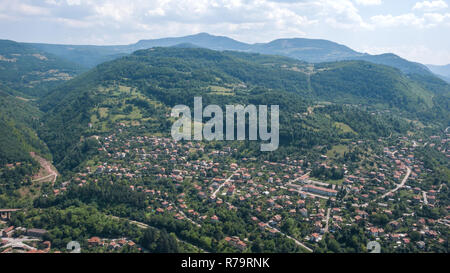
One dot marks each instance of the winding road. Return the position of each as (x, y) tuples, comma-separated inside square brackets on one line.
[(399, 186), (145, 226), (293, 239), (47, 167)]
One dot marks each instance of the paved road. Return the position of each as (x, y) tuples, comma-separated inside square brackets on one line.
[(399, 186), (444, 222), (214, 194), (425, 199), (293, 239), (298, 188), (327, 219), (19, 243), (305, 176), (139, 224), (181, 212), (189, 219)]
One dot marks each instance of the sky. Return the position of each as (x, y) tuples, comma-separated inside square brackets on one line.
[(413, 29)]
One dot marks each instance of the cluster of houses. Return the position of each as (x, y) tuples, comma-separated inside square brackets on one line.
[(13, 165), (22, 240), (236, 242), (111, 244), (209, 177)]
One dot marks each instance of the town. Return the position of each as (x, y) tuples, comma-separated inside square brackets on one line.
[(194, 181)]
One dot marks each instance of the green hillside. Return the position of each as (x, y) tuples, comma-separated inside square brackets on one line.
[(138, 90), (365, 82), (18, 138), (30, 71)]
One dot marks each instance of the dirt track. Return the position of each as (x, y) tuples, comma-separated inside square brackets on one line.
[(47, 170)]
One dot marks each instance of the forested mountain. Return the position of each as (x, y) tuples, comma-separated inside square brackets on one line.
[(316, 51), (32, 71), (143, 87), (308, 50), (86, 56), (90, 56), (17, 121), (395, 61), (362, 82)]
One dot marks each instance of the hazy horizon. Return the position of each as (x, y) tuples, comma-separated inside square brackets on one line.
[(412, 29)]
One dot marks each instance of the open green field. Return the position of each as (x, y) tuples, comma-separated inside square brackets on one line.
[(220, 90), (344, 128), (335, 182), (337, 151)]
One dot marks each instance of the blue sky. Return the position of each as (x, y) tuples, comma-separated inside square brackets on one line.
[(414, 29)]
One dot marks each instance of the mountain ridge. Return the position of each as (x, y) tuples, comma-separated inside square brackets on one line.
[(309, 50)]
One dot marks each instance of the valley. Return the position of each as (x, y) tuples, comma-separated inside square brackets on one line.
[(363, 156)]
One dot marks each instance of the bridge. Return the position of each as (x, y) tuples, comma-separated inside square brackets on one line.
[(5, 214)]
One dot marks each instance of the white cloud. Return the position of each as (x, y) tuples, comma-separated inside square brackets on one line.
[(72, 22), (341, 14), (409, 19), (368, 2), (276, 15), (430, 5), (427, 20), (437, 18), (126, 21), (26, 9), (117, 11)]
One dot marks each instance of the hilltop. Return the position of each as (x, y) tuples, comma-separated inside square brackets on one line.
[(141, 89), (307, 50)]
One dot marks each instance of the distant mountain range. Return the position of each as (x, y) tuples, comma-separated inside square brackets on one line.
[(443, 71), (308, 50)]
